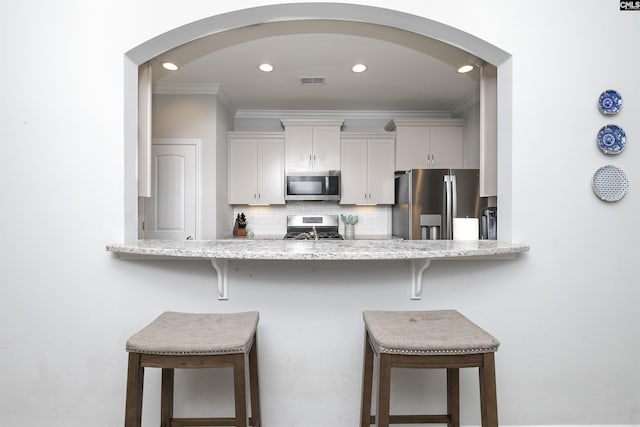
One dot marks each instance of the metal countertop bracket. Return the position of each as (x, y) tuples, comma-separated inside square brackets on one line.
[(222, 269), (418, 266)]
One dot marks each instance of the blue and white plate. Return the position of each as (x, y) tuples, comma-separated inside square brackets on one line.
[(610, 183), (610, 102), (612, 139)]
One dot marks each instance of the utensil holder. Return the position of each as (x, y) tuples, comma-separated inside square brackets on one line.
[(349, 232)]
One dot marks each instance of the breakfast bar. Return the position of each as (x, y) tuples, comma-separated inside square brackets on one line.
[(420, 253)]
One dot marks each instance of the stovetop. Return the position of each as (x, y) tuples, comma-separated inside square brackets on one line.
[(308, 235), (307, 227)]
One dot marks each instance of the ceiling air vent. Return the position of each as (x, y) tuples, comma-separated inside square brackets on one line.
[(312, 81)]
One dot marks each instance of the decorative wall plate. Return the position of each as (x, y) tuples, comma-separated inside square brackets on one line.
[(612, 139), (610, 102), (610, 183)]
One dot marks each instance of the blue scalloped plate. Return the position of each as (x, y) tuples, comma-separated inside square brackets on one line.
[(610, 102), (612, 139)]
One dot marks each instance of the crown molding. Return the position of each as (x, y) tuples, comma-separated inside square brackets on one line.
[(161, 88), (337, 114), (194, 89), (422, 121)]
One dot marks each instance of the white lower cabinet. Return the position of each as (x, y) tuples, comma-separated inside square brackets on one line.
[(256, 168), (367, 168)]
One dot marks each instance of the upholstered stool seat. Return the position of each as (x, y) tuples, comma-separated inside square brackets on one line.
[(190, 340), (426, 339)]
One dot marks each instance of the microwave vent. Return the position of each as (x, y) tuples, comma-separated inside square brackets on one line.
[(312, 81)]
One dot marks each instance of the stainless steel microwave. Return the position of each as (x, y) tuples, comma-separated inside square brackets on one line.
[(312, 185)]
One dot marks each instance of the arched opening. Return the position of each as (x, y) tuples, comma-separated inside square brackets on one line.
[(340, 18)]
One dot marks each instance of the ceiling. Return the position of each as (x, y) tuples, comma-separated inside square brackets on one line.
[(406, 71)]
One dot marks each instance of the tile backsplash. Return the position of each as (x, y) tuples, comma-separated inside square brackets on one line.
[(272, 220)]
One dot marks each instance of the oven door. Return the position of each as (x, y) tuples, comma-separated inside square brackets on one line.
[(313, 185)]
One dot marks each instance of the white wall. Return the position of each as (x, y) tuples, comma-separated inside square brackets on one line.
[(224, 123), (193, 117), (565, 313), (207, 118)]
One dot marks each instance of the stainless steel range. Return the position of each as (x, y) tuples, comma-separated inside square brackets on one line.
[(312, 227)]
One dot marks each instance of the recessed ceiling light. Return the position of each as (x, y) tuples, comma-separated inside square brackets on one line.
[(359, 68), (465, 69), (267, 68), (169, 66)]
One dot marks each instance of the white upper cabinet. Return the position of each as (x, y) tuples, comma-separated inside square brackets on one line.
[(488, 131), (428, 143), (312, 144), (367, 168), (256, 168)]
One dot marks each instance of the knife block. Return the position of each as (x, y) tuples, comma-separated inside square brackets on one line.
[(239, 230)]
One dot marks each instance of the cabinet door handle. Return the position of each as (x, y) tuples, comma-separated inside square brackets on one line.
[(258, 196), (433, 160), (254, 196), (314, 161), (310, 162)]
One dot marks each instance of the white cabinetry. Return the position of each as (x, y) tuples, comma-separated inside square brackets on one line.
[(367, 168), (312, 144), (488, 131), (256, 168), (428, 143)]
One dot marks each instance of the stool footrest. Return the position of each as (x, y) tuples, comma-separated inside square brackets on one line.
[(414, 419), (205, 422)]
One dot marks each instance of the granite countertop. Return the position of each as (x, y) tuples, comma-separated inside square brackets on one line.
[(259, 249)]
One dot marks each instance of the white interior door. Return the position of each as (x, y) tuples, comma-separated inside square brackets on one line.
[(170, 212)]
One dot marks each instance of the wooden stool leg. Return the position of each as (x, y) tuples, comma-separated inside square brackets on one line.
[(135, 383), (488, 399), (254, 384), (239, 390), (384, 391), (367, 383), (453, 397), (166, 400)]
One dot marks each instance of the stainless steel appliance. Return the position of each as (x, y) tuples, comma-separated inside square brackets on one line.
[(489, 223), (312, 185), (312, 227), (427, 200)]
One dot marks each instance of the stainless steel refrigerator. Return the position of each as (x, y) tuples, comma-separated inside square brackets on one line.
[(433, 197)]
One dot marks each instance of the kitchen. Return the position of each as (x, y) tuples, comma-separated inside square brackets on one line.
[(366, 154), (563, 312), (443, 118)]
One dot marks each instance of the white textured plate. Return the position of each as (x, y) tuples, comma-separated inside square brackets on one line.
[(610, 183)]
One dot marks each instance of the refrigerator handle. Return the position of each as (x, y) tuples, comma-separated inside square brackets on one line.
[(454, 198), (447, 234)]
